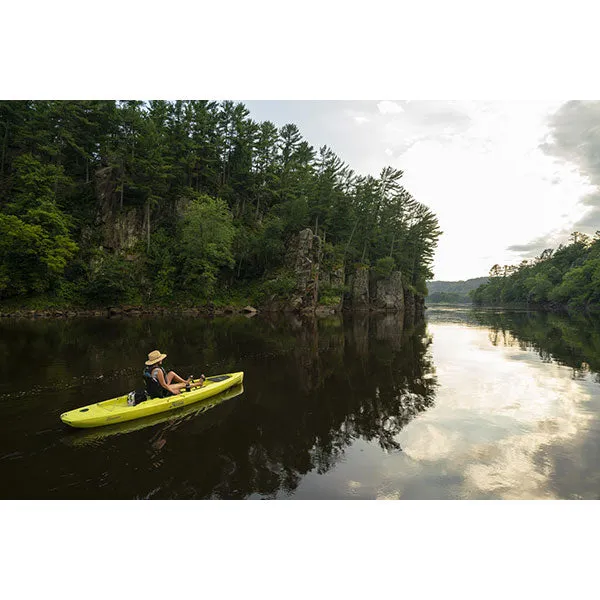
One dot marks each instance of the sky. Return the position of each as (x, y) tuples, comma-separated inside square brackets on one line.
[(506, 179)]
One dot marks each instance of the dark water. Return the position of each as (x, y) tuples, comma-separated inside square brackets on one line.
[(470, 404)]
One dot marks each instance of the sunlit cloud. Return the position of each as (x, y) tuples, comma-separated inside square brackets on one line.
[(492, 182)]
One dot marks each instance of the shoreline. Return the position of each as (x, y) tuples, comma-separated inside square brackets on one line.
[(180, 311), (139, 311), (208, 310), (126, 311)]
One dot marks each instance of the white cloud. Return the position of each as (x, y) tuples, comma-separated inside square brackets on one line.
[(387, 107), (491, 187), (388, 152), (360, 120)]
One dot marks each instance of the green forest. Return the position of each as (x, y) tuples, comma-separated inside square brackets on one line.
[(186, 202), (565, 278), (453, 292)]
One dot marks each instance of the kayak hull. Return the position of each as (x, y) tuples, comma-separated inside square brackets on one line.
[(116, 410), (172, 419)]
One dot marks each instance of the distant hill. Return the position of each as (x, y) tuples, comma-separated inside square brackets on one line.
[(453, 292)]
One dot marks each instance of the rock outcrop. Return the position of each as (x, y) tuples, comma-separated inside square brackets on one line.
[(358, 296), (360, 293), (303, 260), (121, 228), (381, 294), (389, 293)]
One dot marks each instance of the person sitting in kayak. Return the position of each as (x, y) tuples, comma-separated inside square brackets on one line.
[(160, 384)]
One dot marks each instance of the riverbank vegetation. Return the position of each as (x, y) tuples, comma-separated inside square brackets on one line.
[(187, 202), (568, 277)]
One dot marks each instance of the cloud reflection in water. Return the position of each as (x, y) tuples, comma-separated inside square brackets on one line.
[(497, 412)]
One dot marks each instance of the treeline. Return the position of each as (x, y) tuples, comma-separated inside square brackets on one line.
[(453, 292), (448, 298), (568, 277), (203, 203)]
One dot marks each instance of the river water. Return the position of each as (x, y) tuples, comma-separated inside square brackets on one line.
[(470, 404)]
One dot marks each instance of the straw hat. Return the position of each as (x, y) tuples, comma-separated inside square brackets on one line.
[(154, 357)]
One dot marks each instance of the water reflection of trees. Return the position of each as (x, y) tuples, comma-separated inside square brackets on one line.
[(312, 388), (361, 379), (565, 449), (572, 341)]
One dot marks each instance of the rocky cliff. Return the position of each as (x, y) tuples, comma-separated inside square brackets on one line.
[(376, 294), (358, 298), (120, 228), (363, 290), (389, 293), (303, 259)]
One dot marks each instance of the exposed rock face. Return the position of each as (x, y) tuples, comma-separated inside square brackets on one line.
[(359, 289), (389, 293), (121, 229), (409, 308), (124, 231), (303, 258)]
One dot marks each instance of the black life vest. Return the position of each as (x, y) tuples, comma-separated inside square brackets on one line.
[(153, 387)]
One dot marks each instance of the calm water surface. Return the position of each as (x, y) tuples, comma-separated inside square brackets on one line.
[(471, 404)]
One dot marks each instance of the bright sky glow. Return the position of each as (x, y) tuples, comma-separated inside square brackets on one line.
[(477, 165)]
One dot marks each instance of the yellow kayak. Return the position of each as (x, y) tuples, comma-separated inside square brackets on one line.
[(117, 410), (171, 418)]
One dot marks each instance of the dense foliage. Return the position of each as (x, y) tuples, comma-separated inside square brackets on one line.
[(568, 277), (202, 202)]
